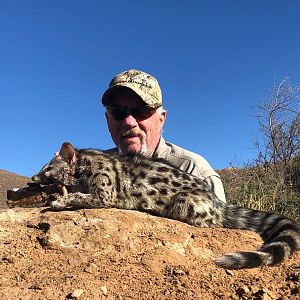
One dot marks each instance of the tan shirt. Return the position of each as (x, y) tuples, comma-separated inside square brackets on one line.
[(191, 163)]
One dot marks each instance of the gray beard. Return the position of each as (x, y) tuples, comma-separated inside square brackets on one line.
[(142, 136), (143, 150)]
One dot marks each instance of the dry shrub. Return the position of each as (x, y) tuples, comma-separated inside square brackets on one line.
[(265, 187), (272, 181)]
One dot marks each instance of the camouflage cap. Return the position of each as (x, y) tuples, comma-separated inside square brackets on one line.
[(143, 84)]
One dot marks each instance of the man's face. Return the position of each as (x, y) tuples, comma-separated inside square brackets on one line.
[(134, 135)]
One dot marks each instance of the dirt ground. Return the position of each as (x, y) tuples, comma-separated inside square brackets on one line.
[(116, 254)]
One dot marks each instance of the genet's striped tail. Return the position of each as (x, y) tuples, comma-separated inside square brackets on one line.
[(281, 238)]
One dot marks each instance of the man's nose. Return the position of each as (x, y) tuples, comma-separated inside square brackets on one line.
[(130, 120)]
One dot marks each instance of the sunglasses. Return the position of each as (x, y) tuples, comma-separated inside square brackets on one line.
[(140, 113)]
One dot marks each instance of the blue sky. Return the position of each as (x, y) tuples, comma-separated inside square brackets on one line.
[(215, 61)]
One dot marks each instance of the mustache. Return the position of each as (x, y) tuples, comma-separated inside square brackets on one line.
[(134, 132)]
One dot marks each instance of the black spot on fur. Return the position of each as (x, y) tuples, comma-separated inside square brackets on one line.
[(180, 200), (99, 191), (212, 212), (191, 211), (186, 188), (100, 165), (201, 215), (124, 169), (154, 180), (136, 194), (88, 174), (117, 180), (142, 174), (151, 192), (176, 184), (160, 202), (176, 172), (163, 192), (96, 174), (209, 223), (199, 182), (186, 176), (163, 169), (145, 164), (166, 180), (144, 204), (196, 192), (132, 173)]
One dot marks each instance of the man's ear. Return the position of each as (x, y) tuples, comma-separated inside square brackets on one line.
[(108, 120), (106, 116), (162, 118), (68, 153)]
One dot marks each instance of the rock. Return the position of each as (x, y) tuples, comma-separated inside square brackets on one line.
[(76, 294), (103, 289), (117, 254)]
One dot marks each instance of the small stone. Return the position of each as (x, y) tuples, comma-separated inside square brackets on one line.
[(246, 289), (103, 289), (91, 268), (242, 291), (76, 294), (9, 259), (229, 272)]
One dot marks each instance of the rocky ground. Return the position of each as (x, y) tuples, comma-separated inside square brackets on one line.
[(117, 254)]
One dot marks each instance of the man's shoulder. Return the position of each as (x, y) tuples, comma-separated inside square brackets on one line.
[(166, 148), (184, 159), (184, 153)]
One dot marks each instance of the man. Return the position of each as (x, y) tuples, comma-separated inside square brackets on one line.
[(135, 118)]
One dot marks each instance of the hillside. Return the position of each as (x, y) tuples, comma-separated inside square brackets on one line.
[(8, 181)]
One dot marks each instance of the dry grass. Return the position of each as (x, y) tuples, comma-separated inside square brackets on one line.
[(264, 188)]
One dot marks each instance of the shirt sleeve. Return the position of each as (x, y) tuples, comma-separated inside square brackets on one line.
[(216, 186), (202, 169)]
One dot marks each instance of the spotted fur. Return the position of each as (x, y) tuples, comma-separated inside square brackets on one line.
[(97, 179)]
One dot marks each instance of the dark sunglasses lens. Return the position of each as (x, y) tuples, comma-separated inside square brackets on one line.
[(117, 113), (139, 113), (142, 112)]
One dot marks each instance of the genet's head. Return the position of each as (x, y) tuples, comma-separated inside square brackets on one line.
[(134, 112)]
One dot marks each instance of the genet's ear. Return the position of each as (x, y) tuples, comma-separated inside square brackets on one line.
[(68, 153)]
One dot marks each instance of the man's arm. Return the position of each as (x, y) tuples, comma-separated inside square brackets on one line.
[(217, 186)]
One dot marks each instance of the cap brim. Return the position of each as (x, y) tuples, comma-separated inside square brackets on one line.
[(106, 98)]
